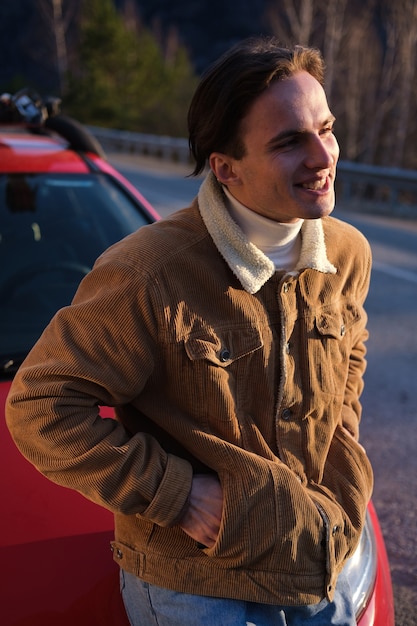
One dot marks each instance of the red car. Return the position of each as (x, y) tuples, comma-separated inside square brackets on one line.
[(61, 205)]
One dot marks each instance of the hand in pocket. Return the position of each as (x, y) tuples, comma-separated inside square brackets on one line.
[(203, 516)]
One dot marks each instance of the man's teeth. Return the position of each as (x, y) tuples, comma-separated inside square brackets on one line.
[(315, 186)]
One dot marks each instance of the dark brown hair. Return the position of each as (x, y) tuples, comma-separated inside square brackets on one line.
[(229, 87)]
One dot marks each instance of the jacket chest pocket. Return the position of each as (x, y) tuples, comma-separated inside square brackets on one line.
[(222, 349), (334, 332), (220, 365)]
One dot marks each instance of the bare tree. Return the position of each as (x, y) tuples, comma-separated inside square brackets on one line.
[(389, 88), (292, 20), (404, 21), (352, 92), (359, 84), (334, 28), (379, 94), (57, 15), (61, 46)]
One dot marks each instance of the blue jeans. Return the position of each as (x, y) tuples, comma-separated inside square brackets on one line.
[(149, 605)]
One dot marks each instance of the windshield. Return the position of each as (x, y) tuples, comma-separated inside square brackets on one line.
[(52, 228)]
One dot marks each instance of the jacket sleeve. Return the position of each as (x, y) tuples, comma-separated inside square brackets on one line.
[(352, 410), (100, 351)]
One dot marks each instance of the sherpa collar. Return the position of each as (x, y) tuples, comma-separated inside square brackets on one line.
[(250, 265)]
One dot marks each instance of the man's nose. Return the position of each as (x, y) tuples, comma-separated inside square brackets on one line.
[(322, 153)]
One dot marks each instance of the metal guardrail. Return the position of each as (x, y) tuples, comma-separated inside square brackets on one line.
[(165, 148), (361, 186), (387, 190)]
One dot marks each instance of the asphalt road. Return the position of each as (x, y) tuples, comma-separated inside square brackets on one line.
[(389, 424)]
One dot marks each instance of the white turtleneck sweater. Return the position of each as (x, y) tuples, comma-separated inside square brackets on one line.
[(279, 242)]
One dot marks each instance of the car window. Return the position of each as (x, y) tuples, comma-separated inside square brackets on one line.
[(52, 228)]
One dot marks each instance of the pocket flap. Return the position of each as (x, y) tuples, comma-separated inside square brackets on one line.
[(224, 348), (333, 322)]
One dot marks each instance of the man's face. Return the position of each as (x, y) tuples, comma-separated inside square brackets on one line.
[(289, 166)]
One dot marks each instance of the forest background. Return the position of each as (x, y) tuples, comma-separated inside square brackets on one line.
[(134, 64)]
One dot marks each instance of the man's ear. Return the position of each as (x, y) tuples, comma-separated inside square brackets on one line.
[(223, 168)]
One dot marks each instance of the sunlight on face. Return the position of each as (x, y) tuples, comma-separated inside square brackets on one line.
[(289, 166)]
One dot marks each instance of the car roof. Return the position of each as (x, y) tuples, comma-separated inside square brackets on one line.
[(22, 151), (25, 152)]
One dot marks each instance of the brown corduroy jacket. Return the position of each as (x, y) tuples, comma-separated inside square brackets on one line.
[(214, 362)]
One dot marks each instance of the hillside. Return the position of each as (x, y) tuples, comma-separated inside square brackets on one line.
[(206, 28)]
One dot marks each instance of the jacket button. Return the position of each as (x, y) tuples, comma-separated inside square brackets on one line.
[(342, 330), (286, 414), (286, 287), (224, 355), (335, 530)]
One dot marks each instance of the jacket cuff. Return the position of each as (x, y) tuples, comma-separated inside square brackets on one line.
[(171, 498)]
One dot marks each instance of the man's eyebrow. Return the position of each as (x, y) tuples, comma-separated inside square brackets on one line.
[(293, 132)]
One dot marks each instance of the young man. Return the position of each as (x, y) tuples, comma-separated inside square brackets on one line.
[(230, 340)]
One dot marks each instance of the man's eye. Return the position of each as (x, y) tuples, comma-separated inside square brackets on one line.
[(288, 143)]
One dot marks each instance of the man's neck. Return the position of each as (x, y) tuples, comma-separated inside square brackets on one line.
[(280, 242)]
